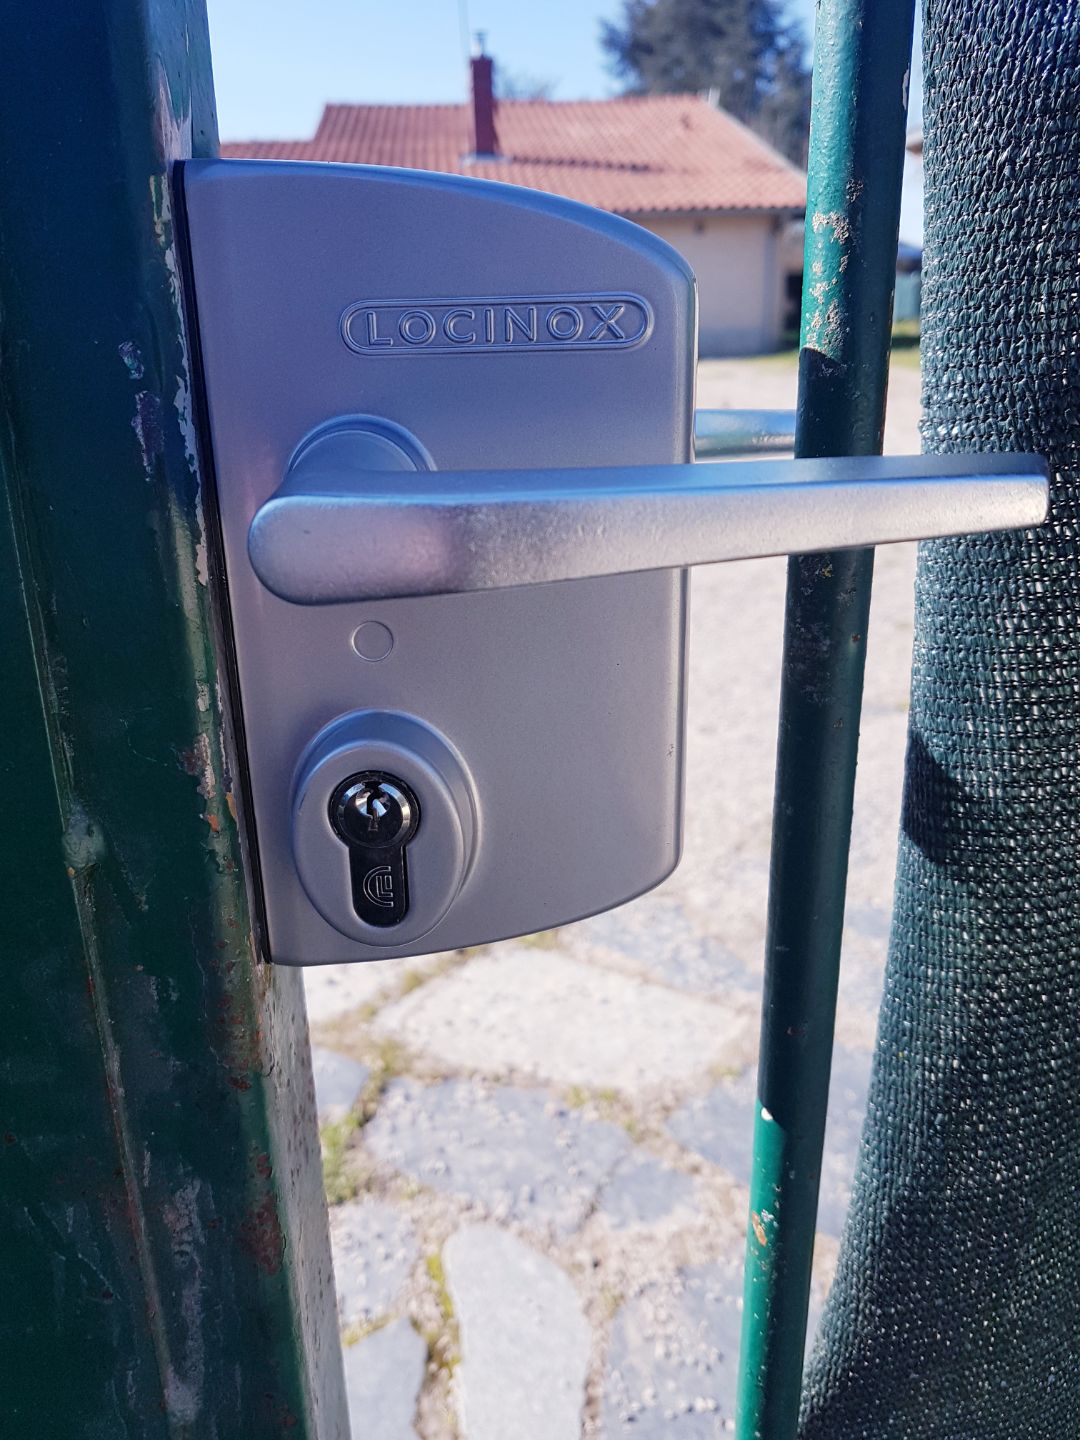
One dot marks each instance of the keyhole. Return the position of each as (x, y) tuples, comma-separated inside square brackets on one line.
[(376, 815)]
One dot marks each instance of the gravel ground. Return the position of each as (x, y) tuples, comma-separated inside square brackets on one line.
[(537, 1152)]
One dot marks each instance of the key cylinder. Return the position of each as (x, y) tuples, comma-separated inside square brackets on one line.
[(384, 821), (376, 815)]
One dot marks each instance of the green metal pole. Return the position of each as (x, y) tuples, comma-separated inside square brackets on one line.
[(862, 55), (166, 1267)]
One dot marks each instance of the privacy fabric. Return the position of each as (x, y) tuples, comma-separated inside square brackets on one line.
[(955, 1314)]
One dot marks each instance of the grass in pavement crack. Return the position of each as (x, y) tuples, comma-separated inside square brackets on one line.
[(607, 1104), (353, 1334), (340, 1182), (334, 1138), (444, 1344)]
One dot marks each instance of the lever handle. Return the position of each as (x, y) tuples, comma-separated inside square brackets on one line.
[(340, 530), (724, 433)]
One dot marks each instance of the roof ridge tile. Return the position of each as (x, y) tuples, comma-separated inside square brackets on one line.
[(634, 154)]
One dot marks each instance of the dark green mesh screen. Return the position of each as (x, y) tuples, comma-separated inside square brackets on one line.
[(956, 1310)]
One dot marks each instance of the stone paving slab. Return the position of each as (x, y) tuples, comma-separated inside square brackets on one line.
[(673, 1358), (383, 1376), (676, 952), (374, 1250), (335, 990), (866, 938), (525, 1343), (719, 1126), (643, 1192), (519, 1154), (538, 1013), (338, 1082)]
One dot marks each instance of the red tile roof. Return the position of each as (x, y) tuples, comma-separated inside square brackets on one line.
[(636, 156)]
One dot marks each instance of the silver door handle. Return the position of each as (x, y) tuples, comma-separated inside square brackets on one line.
[(355, 521), (728, 433)]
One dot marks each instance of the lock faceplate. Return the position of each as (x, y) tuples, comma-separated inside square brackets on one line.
[(501, 329)]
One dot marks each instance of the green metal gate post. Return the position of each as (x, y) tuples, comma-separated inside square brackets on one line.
[(862, 56), (166, 1264)]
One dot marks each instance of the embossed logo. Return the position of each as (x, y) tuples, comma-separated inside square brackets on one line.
[(496, 325)]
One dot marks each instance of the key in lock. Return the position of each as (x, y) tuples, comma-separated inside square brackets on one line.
[(376, 815)]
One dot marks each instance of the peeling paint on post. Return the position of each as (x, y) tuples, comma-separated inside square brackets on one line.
[(862, 51), (167, 1269)]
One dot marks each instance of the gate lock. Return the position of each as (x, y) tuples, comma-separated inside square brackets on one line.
[(452, 426)]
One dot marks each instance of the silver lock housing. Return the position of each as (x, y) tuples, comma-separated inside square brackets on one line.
[(564, 702)]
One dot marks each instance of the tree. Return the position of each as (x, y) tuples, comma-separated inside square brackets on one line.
[(746, 53)]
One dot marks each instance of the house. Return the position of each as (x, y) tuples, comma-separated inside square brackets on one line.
[(672, 163), (909, 259), (907, 302)]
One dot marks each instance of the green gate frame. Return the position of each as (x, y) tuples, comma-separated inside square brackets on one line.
[(166, 1259), (862, 65)]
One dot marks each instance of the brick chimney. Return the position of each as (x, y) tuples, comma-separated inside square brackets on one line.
[(485, 139)]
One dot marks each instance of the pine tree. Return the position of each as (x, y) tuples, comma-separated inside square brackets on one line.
[(746, 52)]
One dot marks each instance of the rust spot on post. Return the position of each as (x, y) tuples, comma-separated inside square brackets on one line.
[(260, 1236)]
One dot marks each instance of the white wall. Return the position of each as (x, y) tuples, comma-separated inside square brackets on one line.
[(740, 281)]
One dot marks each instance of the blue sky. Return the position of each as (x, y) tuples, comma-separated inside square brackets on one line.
[(276, 62)]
